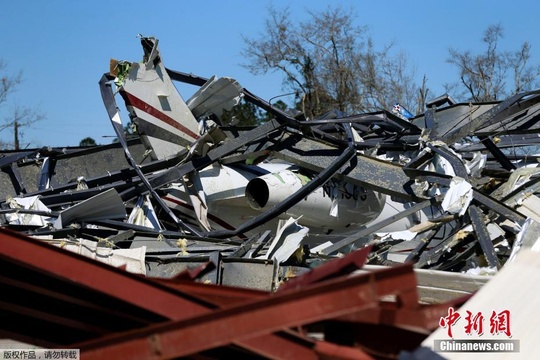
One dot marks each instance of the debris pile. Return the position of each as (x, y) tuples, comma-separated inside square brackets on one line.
[(453, 189)]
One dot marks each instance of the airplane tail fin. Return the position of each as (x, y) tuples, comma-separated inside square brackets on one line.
[(164, 121)]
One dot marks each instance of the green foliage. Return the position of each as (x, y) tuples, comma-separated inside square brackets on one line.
[(130, 129), (247, 114), (87, 141), (121, 70), (243, 114)]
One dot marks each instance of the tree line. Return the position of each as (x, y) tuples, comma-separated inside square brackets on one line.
[(20, 117), (332, 64)]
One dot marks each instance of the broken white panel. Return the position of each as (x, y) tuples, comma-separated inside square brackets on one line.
[(517, 178), (334, 209), (527, 238), (197, 196), (458, 197), (28, 203), (132, 259), (143, 214), (81, 184), (530, 207), (356, 135), (385, 157), (439, 164), (215, 96), (482, 271), (287, 240), (476, 165), (319, 248), (106, 205), (442, 166), (45, 174)]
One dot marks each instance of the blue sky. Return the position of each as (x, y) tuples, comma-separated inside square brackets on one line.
[(64, 47)]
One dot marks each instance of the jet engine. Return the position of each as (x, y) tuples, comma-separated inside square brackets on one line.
[(335, 205)]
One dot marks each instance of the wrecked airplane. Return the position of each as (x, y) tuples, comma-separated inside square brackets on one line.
[(191, 198), (227, 193), (439, 189)]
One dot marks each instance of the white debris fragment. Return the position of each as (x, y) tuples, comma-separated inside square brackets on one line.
[(528, 237), (397, 235), (28, 203), (319, 248), (475, 166), (287, 240), (482, 270), (132, 259), (458, 197), (518, 178), (143, 214)]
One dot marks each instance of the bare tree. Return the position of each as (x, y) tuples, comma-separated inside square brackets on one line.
[(9, 83), (494, 74), (332, 62), (422, 96), (19, 119), (20, 116)]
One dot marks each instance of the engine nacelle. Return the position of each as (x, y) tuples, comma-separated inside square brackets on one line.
[(336, 204)]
